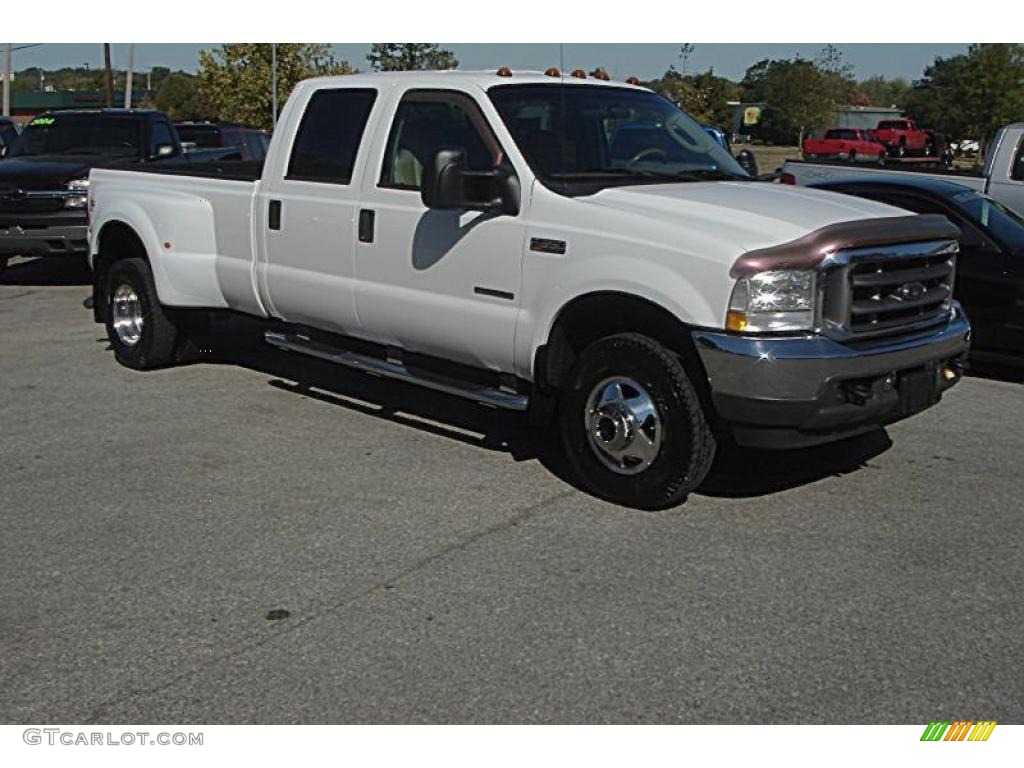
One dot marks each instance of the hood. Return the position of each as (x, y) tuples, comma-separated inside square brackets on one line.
[(751, 214), (45, 171)]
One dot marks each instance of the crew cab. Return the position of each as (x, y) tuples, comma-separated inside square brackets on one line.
[(904, 137), (850, 144), (571, 247), (44, 178)]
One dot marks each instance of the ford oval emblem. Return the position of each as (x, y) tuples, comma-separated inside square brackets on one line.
[(909, 292)]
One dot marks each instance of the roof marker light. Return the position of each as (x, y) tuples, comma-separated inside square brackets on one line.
[(552, 72), (601, 75), (579, 73), (633, 80), (504, 72)]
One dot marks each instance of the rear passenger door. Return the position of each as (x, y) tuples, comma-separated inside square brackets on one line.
[(308, 211)]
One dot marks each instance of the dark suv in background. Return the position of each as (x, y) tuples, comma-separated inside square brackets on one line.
[(251, 143), (44, 178)]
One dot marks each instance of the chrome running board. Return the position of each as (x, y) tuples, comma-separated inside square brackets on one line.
[(499, 398)]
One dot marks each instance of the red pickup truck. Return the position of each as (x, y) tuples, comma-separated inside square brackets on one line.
[(903, 136), (852, 144)]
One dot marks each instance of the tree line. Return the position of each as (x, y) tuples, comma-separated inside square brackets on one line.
[(964, 97)]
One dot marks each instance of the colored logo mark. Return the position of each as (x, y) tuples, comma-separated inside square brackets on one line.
[(958, 730)]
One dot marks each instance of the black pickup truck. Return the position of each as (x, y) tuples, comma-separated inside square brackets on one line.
[(44, 178)]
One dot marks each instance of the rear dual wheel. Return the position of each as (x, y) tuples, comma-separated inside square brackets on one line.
[(140, 332), (632, 424)]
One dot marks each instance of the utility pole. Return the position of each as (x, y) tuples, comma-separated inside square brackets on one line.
[(107, 76), (7, 79), (273, 83), (128, 79)]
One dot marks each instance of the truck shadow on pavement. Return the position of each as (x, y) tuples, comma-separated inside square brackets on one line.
[(737, 472), (58, 270)]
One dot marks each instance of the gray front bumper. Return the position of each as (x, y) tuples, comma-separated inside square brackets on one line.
[(65, 240), (786, 391)]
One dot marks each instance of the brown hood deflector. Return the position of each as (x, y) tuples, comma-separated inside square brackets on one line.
[(808, 251)]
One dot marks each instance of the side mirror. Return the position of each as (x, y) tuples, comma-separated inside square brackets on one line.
[(748, 162), (164, 150), (447, 185)]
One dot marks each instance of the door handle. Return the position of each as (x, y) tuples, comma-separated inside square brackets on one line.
[(274, 215), (366, 219)]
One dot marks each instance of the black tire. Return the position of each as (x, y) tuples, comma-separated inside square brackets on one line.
[(852, 157), (157, 339), (929, 150), (3, 263), (881, 158), (687, 445), (901, 150)]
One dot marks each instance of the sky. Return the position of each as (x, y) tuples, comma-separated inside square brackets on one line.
[(646, 60)]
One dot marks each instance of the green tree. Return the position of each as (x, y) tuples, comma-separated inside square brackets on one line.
[(971, 95), (883, 92), (388, 57), (235, 79), (704, 96), (180, 98), (799, 95)]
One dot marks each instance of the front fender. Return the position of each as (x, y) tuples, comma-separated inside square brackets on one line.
[(691, 301)]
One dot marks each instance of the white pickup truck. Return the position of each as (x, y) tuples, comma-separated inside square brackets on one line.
[(573, 247), (1001, 178)]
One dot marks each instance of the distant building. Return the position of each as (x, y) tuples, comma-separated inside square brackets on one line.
[(865, 117)]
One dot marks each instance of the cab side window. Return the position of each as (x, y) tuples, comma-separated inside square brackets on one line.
[(329, 135), (426, 122), (1017, 172)]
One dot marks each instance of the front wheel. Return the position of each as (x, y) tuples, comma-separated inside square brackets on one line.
[(139, 330), (632, 424)]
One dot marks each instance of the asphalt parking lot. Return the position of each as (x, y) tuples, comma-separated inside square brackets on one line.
[(435, 566)]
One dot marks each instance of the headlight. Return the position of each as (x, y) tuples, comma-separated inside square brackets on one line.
[(781, 300), (77, 201)]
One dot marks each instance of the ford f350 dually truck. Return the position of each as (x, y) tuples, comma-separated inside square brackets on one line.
[(506, 238)]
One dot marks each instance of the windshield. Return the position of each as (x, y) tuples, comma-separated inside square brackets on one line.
[(203, 136), (892, 125), (993, 217), (87, 134), (579, 139)]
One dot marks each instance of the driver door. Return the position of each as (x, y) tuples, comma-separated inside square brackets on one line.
[(439, 282)]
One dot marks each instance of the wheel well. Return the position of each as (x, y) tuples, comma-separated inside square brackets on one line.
[(594, 316), (117, 241)]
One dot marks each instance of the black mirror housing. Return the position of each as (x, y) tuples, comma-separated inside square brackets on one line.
[(447, 185), (747, 162)]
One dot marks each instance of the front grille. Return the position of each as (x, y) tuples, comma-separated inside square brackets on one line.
[(30, 204), (876, 294)]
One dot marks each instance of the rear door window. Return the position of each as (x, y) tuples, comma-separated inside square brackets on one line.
[(329, 135), (1017, 172)]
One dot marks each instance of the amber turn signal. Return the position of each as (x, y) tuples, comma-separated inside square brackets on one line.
[(736, 321)]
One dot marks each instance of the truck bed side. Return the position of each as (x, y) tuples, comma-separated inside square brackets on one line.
[(196, 230), (806, 172)]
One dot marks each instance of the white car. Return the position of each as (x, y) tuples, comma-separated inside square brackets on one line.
[(573, 247)]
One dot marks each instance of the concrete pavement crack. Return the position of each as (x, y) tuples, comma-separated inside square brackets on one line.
[(332, 608)]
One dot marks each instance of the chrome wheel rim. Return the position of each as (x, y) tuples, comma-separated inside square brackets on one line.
[(623, 426), (126, 315)]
